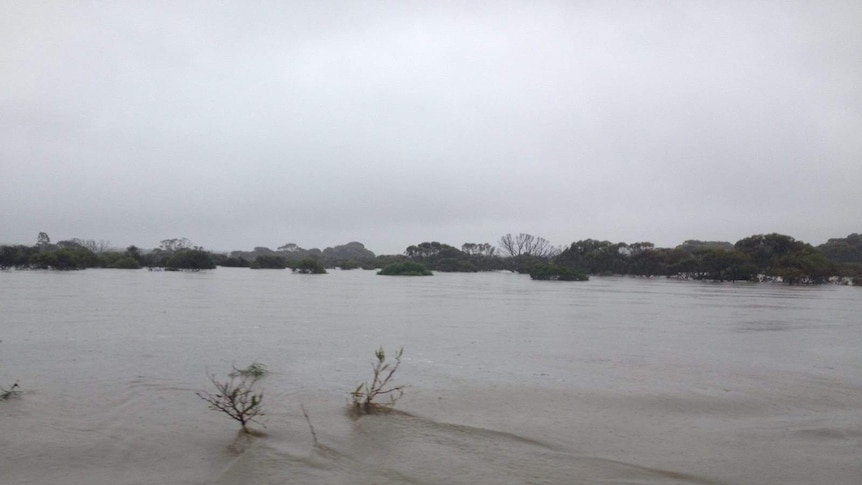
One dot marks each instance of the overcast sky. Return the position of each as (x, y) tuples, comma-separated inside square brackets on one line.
[(251, 123)]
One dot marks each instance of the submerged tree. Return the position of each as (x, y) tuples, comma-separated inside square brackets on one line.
[(237, 396), (365, 394), (10, 393)]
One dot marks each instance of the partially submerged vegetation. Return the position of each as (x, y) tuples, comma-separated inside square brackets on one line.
[(237, 396), (309, 266), (761, 257), (406, 268), (10, 392), (552, 272), (366, 397)]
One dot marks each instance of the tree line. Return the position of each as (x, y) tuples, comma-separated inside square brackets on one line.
[(754, 258)]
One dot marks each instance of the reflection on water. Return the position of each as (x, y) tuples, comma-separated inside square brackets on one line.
[(616, 380)]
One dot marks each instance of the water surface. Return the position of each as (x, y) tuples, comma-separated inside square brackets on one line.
[(615, 380)]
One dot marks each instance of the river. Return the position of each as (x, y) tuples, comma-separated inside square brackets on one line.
[(511, 381)]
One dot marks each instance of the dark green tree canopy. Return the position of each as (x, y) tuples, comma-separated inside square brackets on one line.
[(190, 259)]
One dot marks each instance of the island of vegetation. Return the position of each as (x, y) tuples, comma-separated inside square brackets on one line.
[(761, 257)]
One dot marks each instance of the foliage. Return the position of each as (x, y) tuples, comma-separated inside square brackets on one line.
[(843, 250), (456, 265), (16, 256), (309, 266), (237, 397), (42, 240), (443, 257), (345, 264), (64, 259), (692, 246), (552, 272), (595, 257), (230, 262), (406, 268), (353, 250), (190, 259), (365, 395), (268, 261), (769, 257), (255, 369), (129, 259), (126, 262), (346, 256), (177, 244), (481, 249), (779, 255)]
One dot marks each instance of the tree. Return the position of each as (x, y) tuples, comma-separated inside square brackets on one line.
[(290, 248), (42, 240), (779, 255), (309, 266), (366, 393), (97, 247), (596, 257), (526, 245), (171, 245), (267, 261), (190, 259), (16, 256), (481, 249), (237, 397), (843, 250)]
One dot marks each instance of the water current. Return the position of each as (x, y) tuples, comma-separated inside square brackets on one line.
[(611, 381)]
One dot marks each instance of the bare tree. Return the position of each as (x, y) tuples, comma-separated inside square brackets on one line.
[(526, 245)]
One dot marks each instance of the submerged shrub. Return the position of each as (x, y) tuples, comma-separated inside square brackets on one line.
[(9, 393), (406, 268), (190, 259), (552, 272), (266, 261), (309, 266), (365, 394), (237, 396), (255, 369)]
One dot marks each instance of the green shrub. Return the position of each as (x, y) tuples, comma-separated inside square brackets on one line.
[(190, 259), (309, 266), (406, 268), (255, 369), (266, 261), (126, 262), (552, 272)]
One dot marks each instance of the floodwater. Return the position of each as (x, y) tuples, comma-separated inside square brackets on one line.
[(611, 381)]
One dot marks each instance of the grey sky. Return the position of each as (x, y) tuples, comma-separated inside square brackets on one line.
[(241, 124)]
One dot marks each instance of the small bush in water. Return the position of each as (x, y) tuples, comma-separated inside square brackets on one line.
[(13, 391), (365, 394), (237, 396)]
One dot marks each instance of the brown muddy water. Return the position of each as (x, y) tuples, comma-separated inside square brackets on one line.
[(611, 381)]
